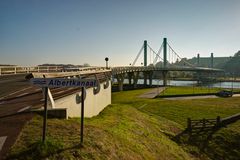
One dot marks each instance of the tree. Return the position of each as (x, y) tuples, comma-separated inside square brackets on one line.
[(237, 54), (86, 65)]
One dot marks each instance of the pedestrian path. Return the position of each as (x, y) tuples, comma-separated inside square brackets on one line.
[(152, 93)]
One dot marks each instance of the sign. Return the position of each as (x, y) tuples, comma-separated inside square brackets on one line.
[(61, 82)]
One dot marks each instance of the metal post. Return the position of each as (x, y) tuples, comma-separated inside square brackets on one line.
[(106, 59), (164, 52), (45, 115), (82, 115), (145, 53), (211, 60), (198, 59)]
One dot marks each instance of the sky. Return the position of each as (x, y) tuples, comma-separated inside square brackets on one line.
[(34, 32)]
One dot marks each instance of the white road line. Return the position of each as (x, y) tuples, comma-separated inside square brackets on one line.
[(23, 94), (23, 109), (2, 141), (2, 102), (60, 92), (18, 91)]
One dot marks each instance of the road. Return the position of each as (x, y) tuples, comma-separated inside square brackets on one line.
[(11, 83)]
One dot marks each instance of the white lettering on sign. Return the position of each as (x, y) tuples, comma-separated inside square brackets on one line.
[(61, 82)]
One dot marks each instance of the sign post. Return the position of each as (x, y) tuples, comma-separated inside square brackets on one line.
[(61, 82), (45, 115), (82, 116)]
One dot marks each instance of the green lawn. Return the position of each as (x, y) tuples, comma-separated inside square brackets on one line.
[(134, 128), (189, 90)]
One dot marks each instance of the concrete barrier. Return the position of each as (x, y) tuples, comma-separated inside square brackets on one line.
[(94, 103)]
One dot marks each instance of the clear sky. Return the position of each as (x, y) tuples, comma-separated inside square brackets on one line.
[(86, 31)]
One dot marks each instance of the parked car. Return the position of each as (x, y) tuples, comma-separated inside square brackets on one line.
[(225, 93)]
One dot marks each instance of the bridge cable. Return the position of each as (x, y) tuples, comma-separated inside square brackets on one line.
[(135, 60), (181, 59), (157, 54)]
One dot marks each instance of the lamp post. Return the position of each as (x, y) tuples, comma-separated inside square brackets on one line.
[(106, 59)]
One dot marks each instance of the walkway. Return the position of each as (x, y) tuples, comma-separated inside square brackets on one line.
[(197, 97), (153, 93)]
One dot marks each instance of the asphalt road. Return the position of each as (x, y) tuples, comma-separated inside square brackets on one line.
[(11, 83)]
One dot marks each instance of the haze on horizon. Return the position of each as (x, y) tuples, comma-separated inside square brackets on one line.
[(34, 32)]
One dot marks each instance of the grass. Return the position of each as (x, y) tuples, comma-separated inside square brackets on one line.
[(135, 128)]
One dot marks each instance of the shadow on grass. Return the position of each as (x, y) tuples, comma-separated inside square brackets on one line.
[(39, 150), (203, 142)]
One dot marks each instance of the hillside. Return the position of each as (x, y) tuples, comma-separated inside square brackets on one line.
[(134, 128)]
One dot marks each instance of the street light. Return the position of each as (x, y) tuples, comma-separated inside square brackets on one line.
[(106, 59)]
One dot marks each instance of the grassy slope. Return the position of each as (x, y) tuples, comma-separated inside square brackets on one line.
[(133, 128), (119, 132)]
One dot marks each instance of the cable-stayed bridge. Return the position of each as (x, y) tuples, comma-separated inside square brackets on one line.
[(164, 60)]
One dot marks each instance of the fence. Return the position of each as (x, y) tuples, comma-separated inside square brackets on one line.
[(194, 126), (202, 124)]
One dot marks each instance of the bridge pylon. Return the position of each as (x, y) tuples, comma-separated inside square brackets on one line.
[(164, 73), (145, 52)]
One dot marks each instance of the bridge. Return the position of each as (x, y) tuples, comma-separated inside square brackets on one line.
[(170, 61)]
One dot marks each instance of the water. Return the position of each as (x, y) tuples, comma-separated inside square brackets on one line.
[(190, 83)]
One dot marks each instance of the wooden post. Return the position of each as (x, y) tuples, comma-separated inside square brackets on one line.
[(218, 121), (204, 122), (189, 124)]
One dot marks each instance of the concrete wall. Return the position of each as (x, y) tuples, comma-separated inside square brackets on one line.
[(94, 104)]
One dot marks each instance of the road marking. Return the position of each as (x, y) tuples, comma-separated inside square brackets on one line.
[(2, 141), (2, 102), (18, 91), (60, 92), (23, 94), (23, 109)]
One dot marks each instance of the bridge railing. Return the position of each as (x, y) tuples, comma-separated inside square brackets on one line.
[(119, 70), (6, 70)]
